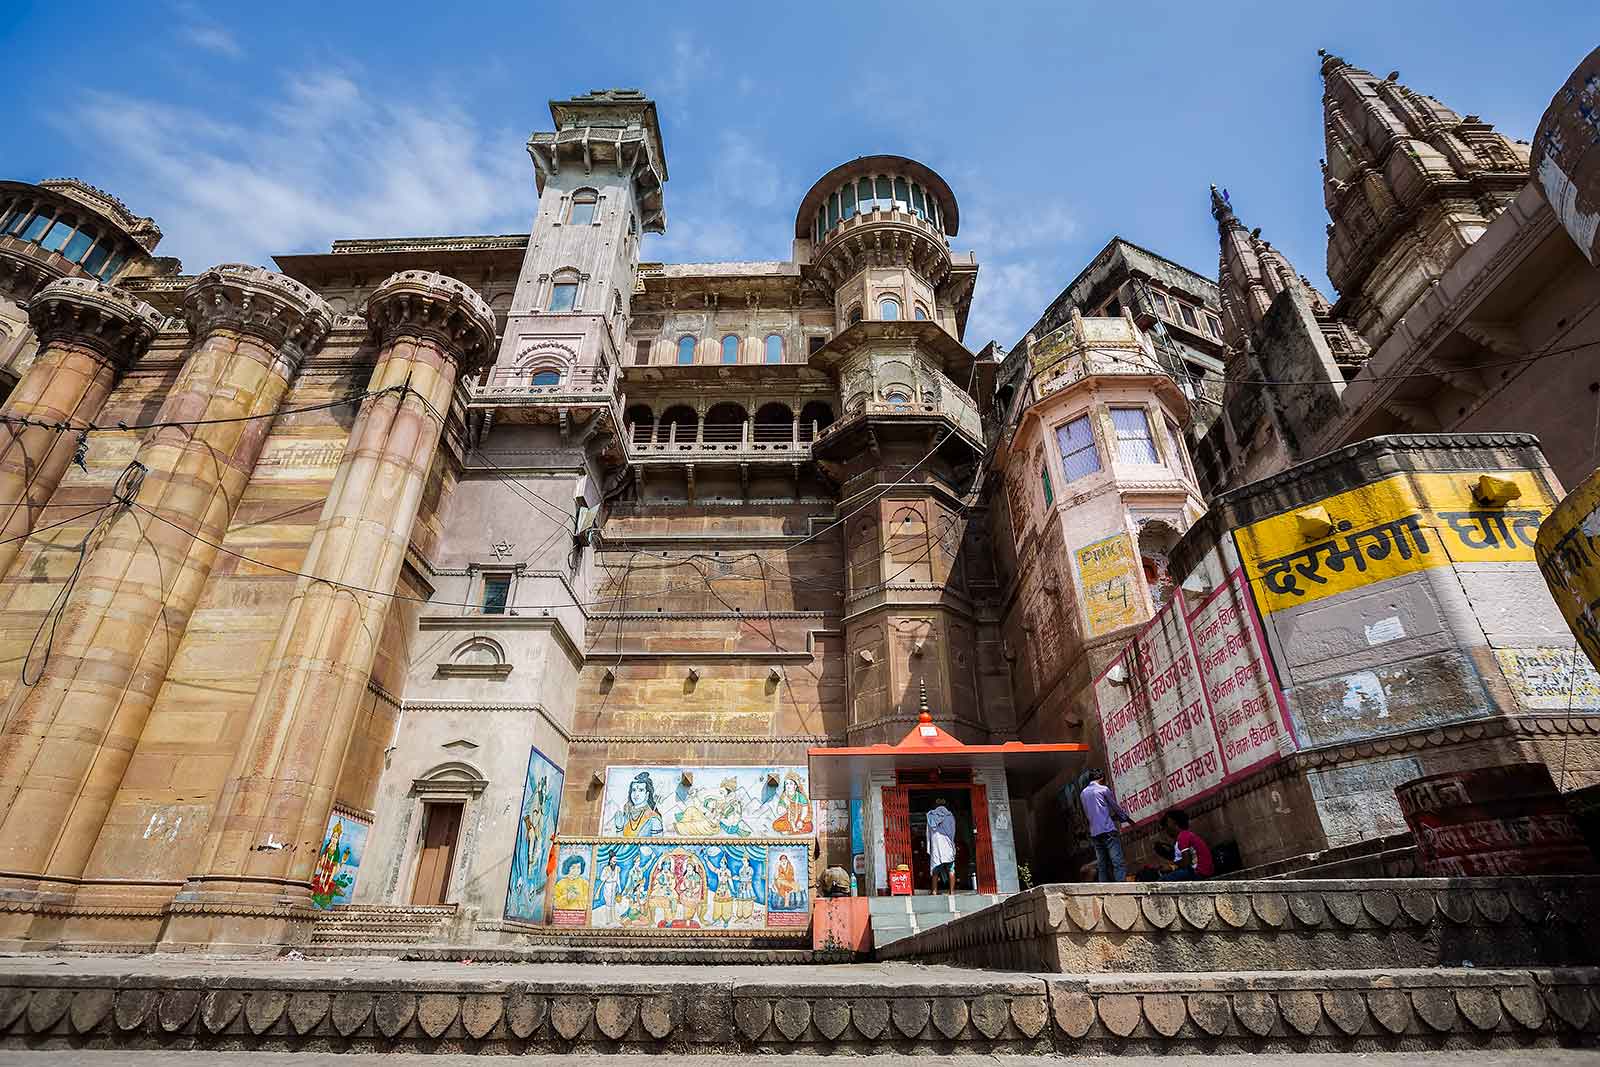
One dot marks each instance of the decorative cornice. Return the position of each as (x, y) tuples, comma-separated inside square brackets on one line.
[(115, 324), (279, 310), (426, 304), (454, 705)]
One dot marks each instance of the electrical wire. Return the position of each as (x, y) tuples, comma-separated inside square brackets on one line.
[(124, 427)]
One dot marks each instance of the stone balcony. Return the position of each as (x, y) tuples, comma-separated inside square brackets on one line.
[(1091, 347), (745, 442), (954, 409), (880, 237), (514, 387)]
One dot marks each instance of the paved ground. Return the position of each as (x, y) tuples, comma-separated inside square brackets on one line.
[(417, 973), (1532, 1058)]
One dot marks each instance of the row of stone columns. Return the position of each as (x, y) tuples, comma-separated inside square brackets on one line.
[(67, 739)]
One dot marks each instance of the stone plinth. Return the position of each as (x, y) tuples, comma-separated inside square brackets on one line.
[(1274, 925), (386, 1005)]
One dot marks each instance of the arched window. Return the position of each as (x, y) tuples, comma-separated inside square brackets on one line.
[(678, 424), (889, 309), (897, 395), (581, 210), (685, 350), (814, 418), (724, 424), (56, 239), (38, 222), (79, 244), (774, 348), (546, 377), (641, 423), (99, 254), (854, 315), (730, 349), (774, 423), (564, 291), (919, 313)]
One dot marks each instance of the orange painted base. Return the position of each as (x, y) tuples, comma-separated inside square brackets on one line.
[(841, 924)]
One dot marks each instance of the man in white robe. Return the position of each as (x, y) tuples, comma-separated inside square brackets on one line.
[(942, 845)]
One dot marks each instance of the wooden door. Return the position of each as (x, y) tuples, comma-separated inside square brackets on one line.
[(441, 823)]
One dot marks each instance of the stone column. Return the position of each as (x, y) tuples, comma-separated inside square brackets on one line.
[(68, 739), (89, 334), (253, 885)]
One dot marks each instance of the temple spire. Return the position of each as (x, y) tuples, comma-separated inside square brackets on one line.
[(1408, 184)]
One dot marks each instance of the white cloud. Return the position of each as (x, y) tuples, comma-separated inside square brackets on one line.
[(686, 61), (739, 211), (323, 160), (211, 38), (1021, 262)]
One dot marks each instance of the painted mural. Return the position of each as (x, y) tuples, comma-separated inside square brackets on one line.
[(333, 879), (536, 829), (569, 897), (722, 802), (644, 885), (788, 885)]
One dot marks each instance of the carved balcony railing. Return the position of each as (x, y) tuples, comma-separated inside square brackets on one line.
[(586, 386), (738, 442), (953, 407)]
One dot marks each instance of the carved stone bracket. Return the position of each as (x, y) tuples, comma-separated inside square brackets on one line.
[(423, 303), (260, 302), (114, 323)]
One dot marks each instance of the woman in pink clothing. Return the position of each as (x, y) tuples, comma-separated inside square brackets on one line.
[(1191, 855)]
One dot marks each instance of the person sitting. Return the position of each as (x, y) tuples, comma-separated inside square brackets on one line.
[(1191, 856)]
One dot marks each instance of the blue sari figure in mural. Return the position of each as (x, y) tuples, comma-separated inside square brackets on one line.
[(536, 827)]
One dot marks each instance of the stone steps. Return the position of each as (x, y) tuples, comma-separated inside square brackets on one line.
[(381, 924), (643, 953), (895, 918), (585, 1009)]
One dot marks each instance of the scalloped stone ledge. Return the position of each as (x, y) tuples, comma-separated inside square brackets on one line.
[(1274, 925), (385, 1005)]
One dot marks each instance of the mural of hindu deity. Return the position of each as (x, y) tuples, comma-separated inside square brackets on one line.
[(788, 889), (569, 897), (679, 887), (532, 854), (733, 802), (794, 806), (333, 879)]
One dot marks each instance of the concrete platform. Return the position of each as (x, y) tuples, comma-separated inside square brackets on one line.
[(388, 1006)]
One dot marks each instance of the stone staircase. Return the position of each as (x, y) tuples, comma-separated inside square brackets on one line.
[(378, 928), (894, 918)]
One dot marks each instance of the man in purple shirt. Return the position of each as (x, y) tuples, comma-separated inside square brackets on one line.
[(1104, 814)]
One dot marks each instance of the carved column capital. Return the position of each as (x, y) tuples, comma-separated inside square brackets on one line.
[(279, 310), (422, 303), (111, 321)]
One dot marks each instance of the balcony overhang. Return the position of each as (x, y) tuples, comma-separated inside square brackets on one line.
[(931, 340)]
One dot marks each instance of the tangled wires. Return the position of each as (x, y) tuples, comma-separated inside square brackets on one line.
[(123, 494)]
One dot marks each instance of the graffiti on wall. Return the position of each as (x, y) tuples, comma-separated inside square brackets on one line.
[(333, 879), (700, 802), (1393, 527), (1191, 704), (535, 833), (1110, 590)]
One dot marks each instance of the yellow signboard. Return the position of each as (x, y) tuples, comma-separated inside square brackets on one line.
[(1569, 556), (1110, 590), (1400, 525)]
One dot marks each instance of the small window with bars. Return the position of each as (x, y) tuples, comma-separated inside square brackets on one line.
[(496, 593)]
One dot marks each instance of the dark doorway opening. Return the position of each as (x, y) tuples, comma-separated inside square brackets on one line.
[(958, 798), (440, 827)]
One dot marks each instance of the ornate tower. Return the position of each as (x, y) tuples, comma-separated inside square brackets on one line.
[(600, 175), (876, 233), (1409, 184)]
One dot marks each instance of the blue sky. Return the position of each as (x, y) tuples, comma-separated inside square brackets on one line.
[(284, 126)]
